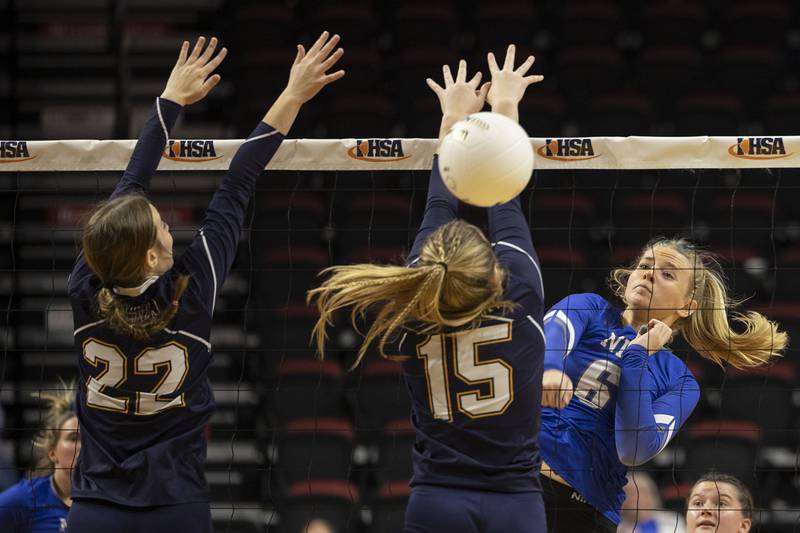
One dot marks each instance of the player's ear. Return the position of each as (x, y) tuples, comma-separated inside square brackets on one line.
[(52, 456), (151, 261), (688, 309), (745, 526)]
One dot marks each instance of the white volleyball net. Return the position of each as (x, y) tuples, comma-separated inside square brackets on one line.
[(296, 439)]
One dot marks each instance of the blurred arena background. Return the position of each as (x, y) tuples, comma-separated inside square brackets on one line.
[(295, 438)]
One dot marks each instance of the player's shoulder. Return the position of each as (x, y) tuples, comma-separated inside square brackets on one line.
[(585, 301), (26, 491)]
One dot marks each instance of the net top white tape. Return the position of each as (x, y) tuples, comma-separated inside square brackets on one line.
[(601, 153)]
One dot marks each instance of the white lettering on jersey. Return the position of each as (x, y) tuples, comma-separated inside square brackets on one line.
[(613, 342)]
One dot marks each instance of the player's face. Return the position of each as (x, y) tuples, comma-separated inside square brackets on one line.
[(661, 283), (68, 446), (714, 508), (162, 250)]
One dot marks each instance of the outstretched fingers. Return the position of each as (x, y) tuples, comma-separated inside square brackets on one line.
[(526, 66), (333, 59), (533, 79), (476, 80), (301, 53), (510, 52), (184, 53), (209, 84), (448, 76), (435, 87), (326, 49), (198, 47), (492, 63), (329, 78), (209, 51), (484, 90), (320, 42), (461, 74), (214, 63)]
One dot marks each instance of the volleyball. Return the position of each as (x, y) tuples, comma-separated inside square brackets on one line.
[(486, 159)]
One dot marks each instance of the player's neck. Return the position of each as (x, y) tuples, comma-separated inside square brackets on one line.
[(636, 318), (62, 484)]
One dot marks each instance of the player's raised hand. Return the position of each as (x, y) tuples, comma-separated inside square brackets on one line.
[(509, 83), (653, 336), (557, 389), (309, 71), (459, 97), (191, 78)]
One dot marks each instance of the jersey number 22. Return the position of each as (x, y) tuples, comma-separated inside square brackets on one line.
[(171, 357)]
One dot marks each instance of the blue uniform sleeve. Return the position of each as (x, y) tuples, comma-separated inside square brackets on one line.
[(142, 165), (511, 237), (149, 148), (643, 425), (564, 325), (210, 255), (14, 508), (440, 208)]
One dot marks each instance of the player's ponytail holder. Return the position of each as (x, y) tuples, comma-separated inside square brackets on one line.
[(443, 264)]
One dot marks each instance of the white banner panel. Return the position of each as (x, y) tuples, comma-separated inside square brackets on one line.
[(601, 153)]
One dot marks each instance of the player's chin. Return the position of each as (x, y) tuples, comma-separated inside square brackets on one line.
[(639, 300)]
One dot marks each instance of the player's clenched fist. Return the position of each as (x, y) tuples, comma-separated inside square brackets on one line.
[(654, 337), (557, 389)]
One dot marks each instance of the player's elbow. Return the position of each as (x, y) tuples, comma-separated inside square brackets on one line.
[(631, 459), (634, 453)]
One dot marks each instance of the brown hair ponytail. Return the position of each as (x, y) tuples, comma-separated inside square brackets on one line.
[(115, 243), (142, 321)]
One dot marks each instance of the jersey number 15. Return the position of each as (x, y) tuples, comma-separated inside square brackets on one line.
[(467, 368)]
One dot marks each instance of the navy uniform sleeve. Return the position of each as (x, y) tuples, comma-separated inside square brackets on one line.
[(564, 325), (149, 148), (210, 255), (141, 167), (14, 508), (440, 208), (511, 237), (644, 426)]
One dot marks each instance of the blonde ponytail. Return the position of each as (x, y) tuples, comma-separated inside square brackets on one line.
[(709, 331), (456, 283)]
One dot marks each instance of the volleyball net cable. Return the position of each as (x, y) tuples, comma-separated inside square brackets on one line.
[(295, 437)]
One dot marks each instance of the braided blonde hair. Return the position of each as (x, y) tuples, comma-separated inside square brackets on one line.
[(456, 282), (708, 330)]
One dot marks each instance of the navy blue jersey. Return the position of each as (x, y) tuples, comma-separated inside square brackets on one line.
[(32, 506), (476, 392), (626, 405), (143, 405)]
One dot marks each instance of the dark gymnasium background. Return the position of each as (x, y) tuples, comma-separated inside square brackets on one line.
[(293, 437)]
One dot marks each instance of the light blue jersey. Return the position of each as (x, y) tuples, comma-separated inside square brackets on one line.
[(626, 405)]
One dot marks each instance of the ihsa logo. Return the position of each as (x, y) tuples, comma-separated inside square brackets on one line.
[(14, 152), (567, 149), (378, 150), (759, 148), (194, 151)]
